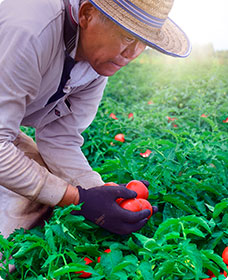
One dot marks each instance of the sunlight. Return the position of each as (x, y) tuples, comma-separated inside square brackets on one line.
[(204, 21)]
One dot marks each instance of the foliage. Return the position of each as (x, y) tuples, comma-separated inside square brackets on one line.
[(187, 171)]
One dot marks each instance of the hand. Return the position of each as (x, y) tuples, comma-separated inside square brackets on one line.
[(100, 207)]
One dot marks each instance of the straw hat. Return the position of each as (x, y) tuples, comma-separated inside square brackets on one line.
[(148, 20)]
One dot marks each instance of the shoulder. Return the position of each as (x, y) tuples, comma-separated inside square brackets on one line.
[(32, 15)]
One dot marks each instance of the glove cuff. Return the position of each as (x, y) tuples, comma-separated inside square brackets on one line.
[(82, 194)]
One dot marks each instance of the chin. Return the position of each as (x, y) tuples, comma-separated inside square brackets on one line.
[(106, 71)]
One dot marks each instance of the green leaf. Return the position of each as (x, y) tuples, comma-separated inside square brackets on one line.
[(165, 226), (165, 269), (110, 261), (194, 231), (219, 207), (212, 256), (27, 247), (50, 237), (178, 202), (4, 243), (145, 269), (72, 267), (197, 220), (49, 260), (172, 235), (121, 266)]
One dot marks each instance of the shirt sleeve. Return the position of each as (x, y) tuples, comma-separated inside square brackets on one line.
[(20, 78), (59, 142)]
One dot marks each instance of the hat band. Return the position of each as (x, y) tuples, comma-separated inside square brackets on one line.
[(140, 14)]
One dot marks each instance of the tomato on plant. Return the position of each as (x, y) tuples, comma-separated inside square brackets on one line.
[(139, 188), (119, 137), (225, 255), (113, 116), (131, 204), (146, 205), (106, 251), (210, 273), (225, 121), (83, 273), (146, 154), (130, 115)]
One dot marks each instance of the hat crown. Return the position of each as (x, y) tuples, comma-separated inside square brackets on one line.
[(152, 12), (156, 8)]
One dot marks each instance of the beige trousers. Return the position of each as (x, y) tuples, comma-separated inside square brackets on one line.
[(17, 211)]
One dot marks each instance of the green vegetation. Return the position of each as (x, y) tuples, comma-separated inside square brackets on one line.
[(184, 127)]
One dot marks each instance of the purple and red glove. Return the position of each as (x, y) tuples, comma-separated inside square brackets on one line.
[(100, 207)]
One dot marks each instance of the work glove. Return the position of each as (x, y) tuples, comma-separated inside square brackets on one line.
[(100, 207)]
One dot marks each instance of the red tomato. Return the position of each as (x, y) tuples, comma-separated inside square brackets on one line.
[(210, 273), (171, 119), (225, 121), (139, 188), (113, 116), (131, 204), (203, 116), (207, 278), (146, 205), (83, 273), (130, 115), (106, 251), (110, 184), (146, 154), (119, 137), (225, 255)]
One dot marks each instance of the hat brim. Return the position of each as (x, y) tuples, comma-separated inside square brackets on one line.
[(170, 39)]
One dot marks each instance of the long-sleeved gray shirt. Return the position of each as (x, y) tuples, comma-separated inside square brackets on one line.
[(31, 63)]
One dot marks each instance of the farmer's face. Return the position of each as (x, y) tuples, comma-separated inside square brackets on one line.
[(102, 43)]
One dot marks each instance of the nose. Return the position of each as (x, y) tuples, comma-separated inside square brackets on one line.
[(133, 50)]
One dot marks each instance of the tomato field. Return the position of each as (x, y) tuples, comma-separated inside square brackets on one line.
[(173, 114)]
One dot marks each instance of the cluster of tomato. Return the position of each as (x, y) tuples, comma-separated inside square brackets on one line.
[(225, 259), (87, 261), (135, 204)]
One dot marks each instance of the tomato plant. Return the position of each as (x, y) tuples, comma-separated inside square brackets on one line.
[(139, 188), (105, 251), (82, 273)]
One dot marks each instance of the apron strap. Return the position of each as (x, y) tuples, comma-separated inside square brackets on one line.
[(70, 29)]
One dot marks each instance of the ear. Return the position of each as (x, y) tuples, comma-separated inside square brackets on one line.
[(86, 14)]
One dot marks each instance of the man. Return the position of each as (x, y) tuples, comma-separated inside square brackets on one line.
[(55, 58)]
